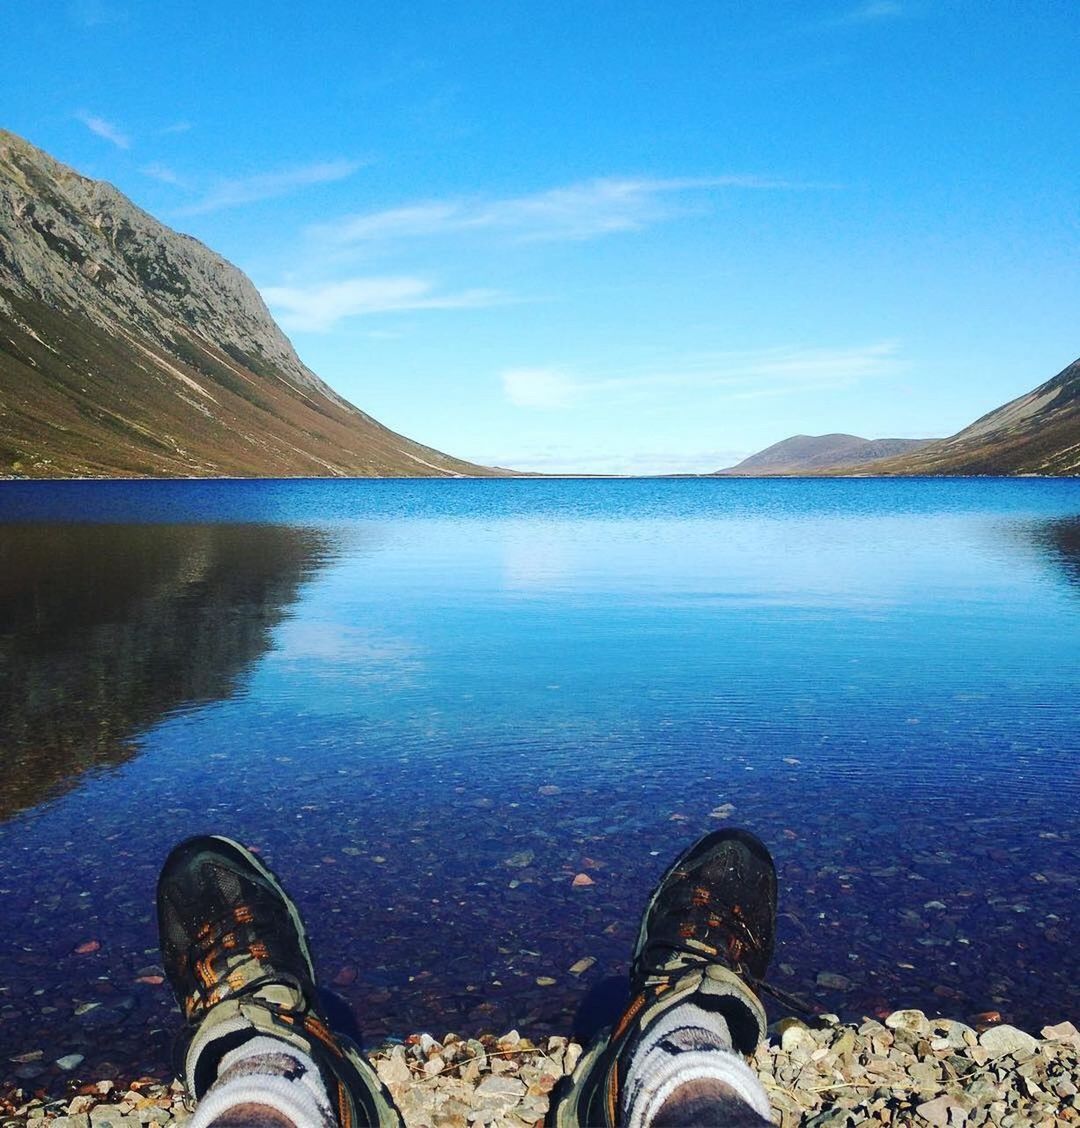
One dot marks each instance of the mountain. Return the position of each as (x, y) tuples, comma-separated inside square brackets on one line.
[(129, 349), (1036, 433), (808, 454)]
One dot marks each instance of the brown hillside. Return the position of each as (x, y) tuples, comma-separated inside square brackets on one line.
[(129, 349)]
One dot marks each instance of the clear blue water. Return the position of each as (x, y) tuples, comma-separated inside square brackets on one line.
[(432, 704)]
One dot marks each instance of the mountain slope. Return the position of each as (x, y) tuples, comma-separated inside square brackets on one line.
[(802, 454), (1036, 433), (129, 349)]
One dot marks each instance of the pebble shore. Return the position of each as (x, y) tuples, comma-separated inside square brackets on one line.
[(906, 1069)]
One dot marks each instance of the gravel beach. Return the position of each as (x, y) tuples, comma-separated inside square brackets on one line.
[(906, 1069)]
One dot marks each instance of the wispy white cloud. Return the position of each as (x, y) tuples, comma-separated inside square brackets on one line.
[(738, 375), (873, 11), (320, 307), (161, 172), (270, 185), (585, 210), (543, 388), (95, 13), (176, 127), (104, 129)]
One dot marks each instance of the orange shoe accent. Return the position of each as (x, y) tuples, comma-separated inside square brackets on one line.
[(613, 1096), (243, 914)]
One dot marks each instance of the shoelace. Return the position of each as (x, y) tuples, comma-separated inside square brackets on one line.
[(698, 952), (215, 942)]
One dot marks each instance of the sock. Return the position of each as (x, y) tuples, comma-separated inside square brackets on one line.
[(685, 1069), (265, 1081)]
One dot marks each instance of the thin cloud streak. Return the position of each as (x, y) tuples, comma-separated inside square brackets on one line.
[(317, 309), (545, 389), (874, 11), (270, 185), (162, 173), (741, 375), (104, 129), (576, 212)]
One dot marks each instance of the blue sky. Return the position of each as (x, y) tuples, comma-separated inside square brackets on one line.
[(604, 236)]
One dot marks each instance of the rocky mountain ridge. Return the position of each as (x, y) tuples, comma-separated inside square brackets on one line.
[(128, 348)]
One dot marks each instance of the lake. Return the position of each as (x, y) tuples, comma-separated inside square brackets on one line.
[(432, 704)]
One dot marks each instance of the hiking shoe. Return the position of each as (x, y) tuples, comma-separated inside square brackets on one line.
[(706, 937), (236, 956)]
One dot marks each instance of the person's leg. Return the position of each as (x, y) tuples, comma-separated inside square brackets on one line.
[(677, 1055), (258, 1051)]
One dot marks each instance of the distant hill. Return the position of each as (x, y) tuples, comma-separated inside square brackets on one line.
[(129, 349), (808, 454), (1036, 433)]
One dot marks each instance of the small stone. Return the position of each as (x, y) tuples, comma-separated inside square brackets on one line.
[(30, 1055), (506, 1089), (581, 880), (795, 1035), (1062, 1032), (86, 947), (545, 981), (549, 789), (69, 1061), (346, 977), (833, 982), (937, 1111), (912, 1020), (522, 859), (581, 966), (1003, 1040), (395, 1068)]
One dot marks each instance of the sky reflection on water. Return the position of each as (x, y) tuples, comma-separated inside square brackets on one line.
[(398, 690)]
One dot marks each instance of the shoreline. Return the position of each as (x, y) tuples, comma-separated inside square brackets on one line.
[(906, 1069)]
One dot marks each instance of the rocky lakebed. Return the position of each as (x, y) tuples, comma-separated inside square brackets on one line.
[(906, 1069)]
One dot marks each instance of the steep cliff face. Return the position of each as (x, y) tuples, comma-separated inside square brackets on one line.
[(127, 348)]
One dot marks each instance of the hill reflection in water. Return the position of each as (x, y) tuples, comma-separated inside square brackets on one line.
[(106, 629), (1060, 541)]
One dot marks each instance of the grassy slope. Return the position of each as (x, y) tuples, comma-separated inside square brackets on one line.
[(76, 400)]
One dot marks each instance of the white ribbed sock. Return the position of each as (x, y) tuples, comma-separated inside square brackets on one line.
[(271, 1073), (687, 1044)]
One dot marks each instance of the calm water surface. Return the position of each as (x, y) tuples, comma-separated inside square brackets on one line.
[(432, 704)]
